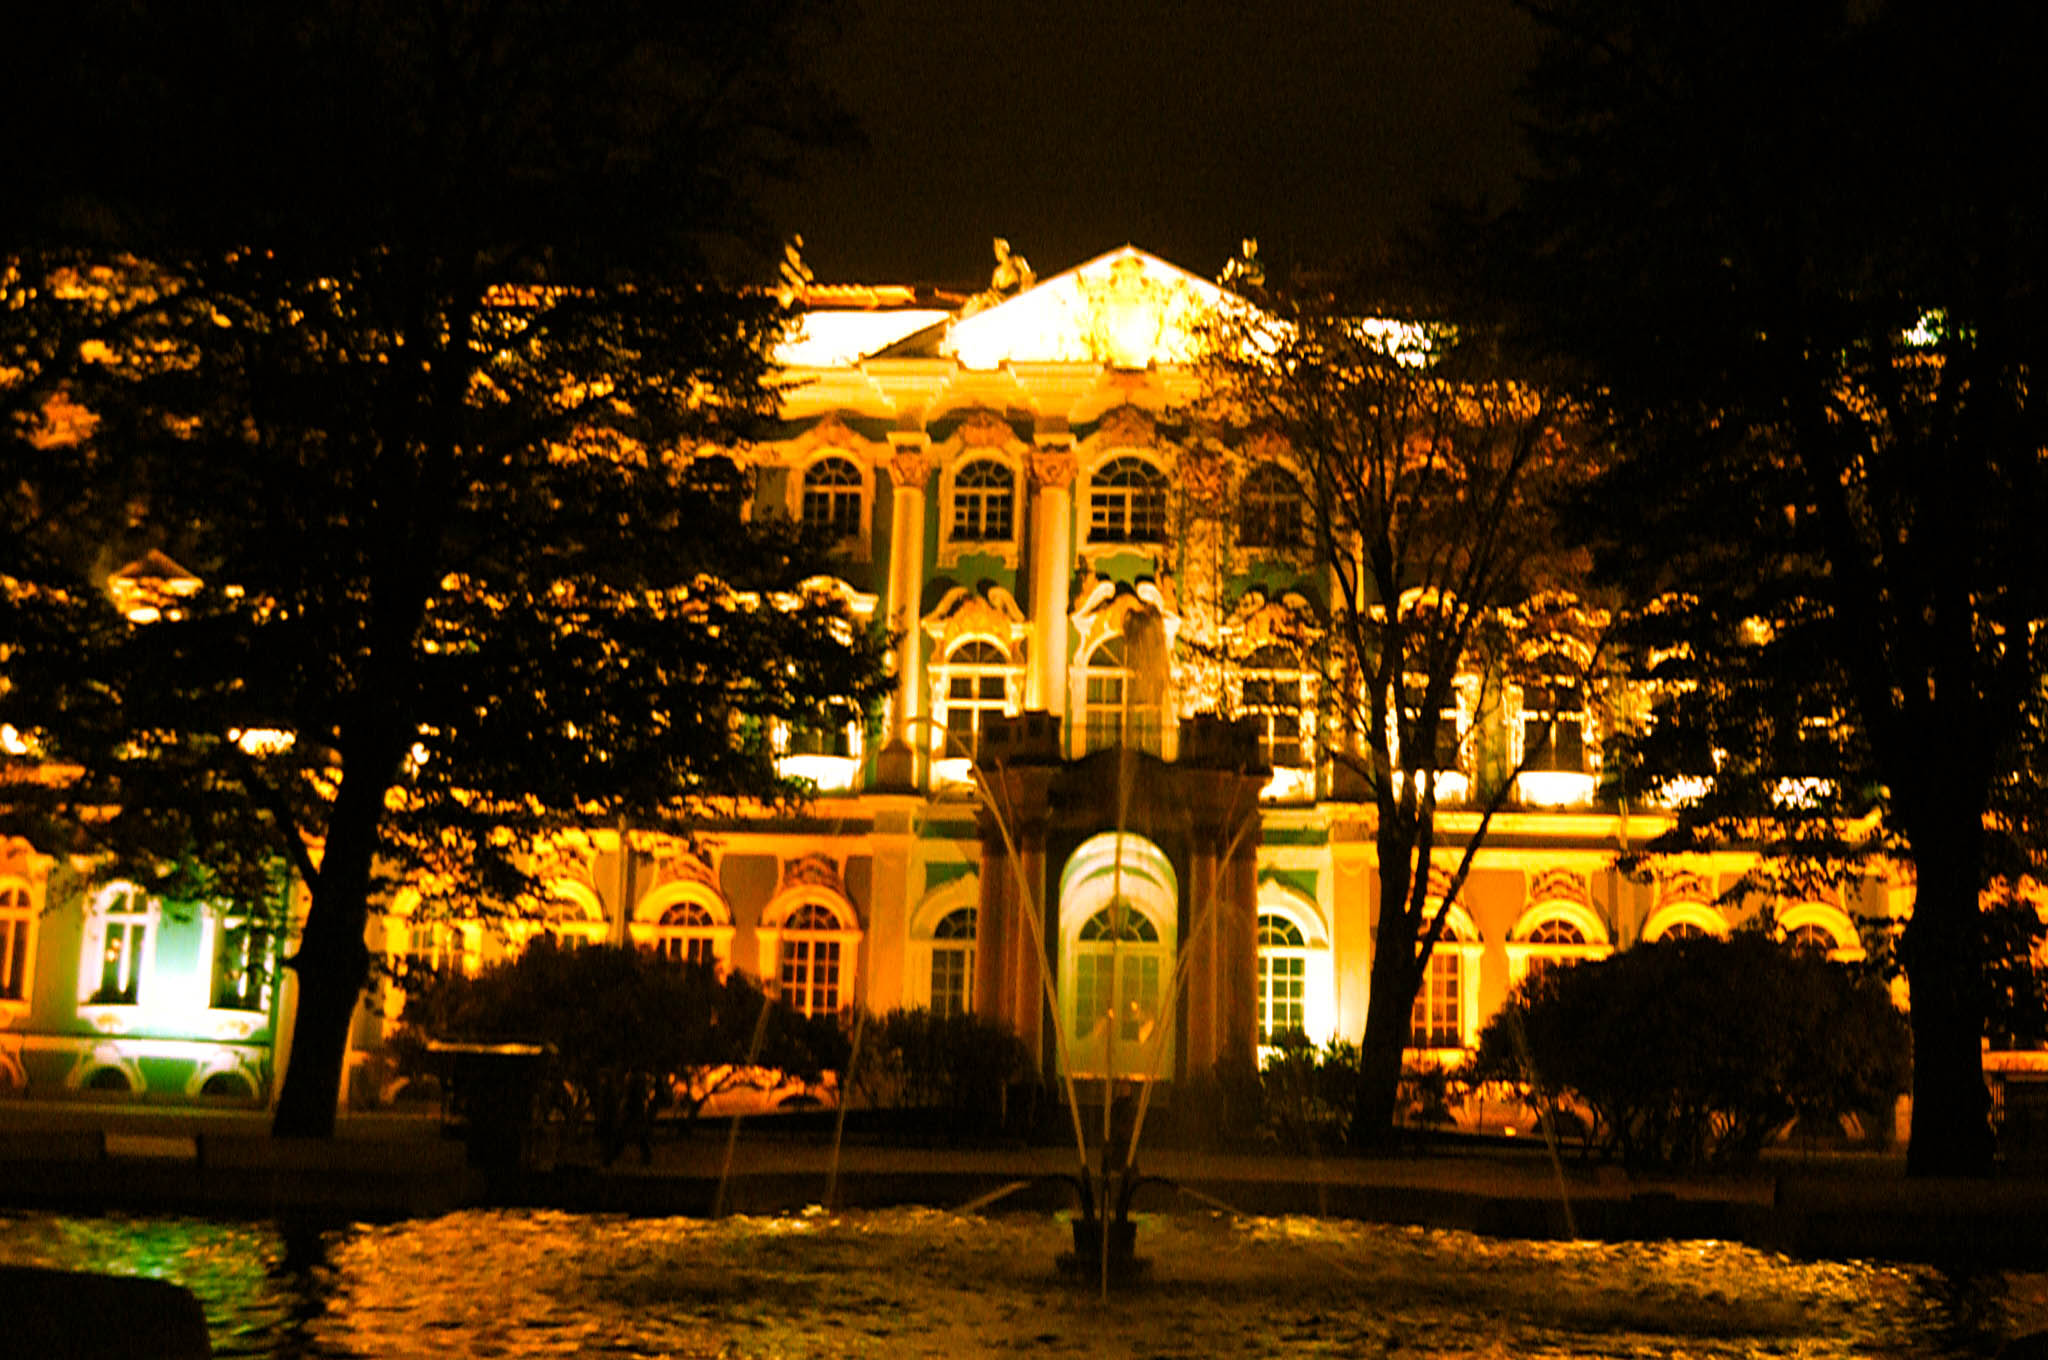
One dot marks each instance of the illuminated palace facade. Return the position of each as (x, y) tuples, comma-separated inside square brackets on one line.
[(1005, 475)]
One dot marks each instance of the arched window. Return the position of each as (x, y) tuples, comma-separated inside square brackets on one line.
[(1115, 714), (984, 502), (953, 963), (833, 494), (1555, 932), (687, 933), (1811, 936), (16, 917), (1683, 930), (1269, 510), (808, 974), (1283, 978), (1273, 684), (1118, 959), (1822, 927), (977, 688), (1127, 502)]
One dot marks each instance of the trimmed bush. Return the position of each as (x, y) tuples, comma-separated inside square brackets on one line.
[(960, 1068), (634, 1035), (1696, 1052)]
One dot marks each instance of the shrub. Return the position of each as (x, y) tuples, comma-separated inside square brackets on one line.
[(633, 1034), (1309, 1091), (957, 1066), (1696, 1052)]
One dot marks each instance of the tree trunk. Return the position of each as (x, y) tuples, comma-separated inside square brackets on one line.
[(1376, 1106), (333, 964), (329, 988), (1944, 975)]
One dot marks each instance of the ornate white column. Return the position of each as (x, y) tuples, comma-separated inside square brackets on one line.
[(1052, 574), (901, 763)]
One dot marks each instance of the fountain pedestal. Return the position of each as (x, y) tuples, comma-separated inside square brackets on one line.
[(1084, 1262)]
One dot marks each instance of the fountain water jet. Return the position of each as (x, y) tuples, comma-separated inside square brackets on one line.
[(732, 1136)]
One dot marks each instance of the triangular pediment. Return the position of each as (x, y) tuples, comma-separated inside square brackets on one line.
[(1126, 309)]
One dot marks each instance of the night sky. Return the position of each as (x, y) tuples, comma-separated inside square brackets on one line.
[(1073, 126)]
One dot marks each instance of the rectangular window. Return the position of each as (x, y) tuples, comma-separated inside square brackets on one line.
[(823, 739), (1283, 985), (970, 700), (952, 980), (13, 959), (834, 509), (981, 515), (1553, 746), (14, 923), (1105, 709), (1436, 1019), (1137, 999), (810, 975), (241, 967), (121, 962)]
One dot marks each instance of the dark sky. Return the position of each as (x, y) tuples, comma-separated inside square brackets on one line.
[(1071, 127)]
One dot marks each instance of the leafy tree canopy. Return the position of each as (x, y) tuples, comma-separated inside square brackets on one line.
[(1793, 251), (391, 326)]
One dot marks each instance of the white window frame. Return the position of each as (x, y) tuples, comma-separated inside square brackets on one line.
[(962, 950), (1127, 719), (1088, 885), (1696, 915), (1292, 949), (1844, 944), (854, 543), (776, 937), (952, 668), (1526, 952), (1460, 943), (18, 922), (226, 921), (119, 905), (652, 929), (1270, 487), (954, 545), (1114, 509), (1266, 711)]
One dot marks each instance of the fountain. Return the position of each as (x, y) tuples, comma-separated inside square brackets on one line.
[(1104, 1232)]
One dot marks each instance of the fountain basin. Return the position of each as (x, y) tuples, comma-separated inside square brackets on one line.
[(909, 1281)]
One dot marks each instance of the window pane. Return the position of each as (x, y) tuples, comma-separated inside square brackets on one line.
[(952, 980), (1435, 1020)]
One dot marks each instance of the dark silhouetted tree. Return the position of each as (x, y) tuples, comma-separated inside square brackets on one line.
[(1796, 249), (1429, 472), (394, 324)]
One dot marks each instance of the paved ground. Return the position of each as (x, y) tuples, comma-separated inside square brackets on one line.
[(109, 1157)]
